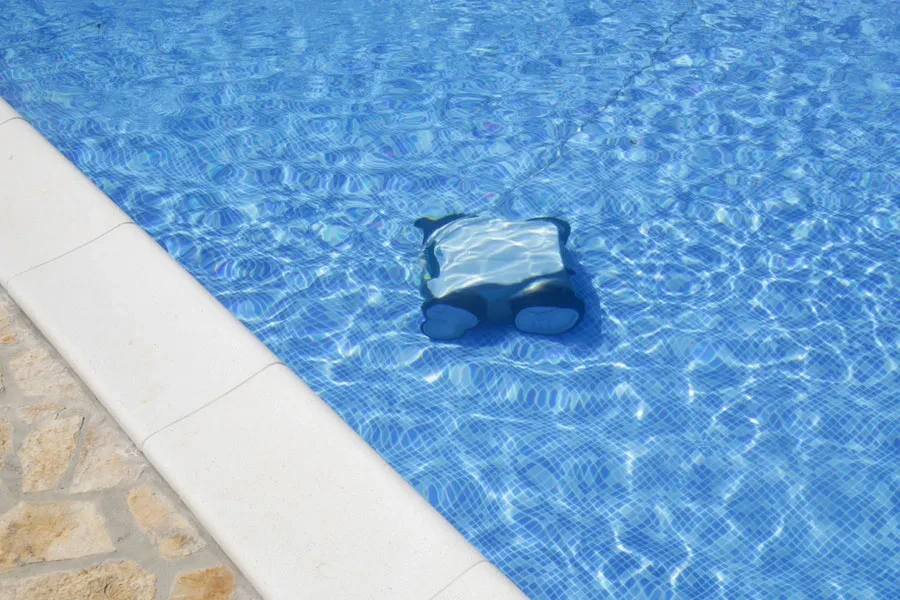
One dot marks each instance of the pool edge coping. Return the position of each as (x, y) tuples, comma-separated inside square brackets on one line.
[(460, 572)]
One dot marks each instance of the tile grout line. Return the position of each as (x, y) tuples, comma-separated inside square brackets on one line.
[(455, 579), (66, 253), (11, 119), (213, 401)]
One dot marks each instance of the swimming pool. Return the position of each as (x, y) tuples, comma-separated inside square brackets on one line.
[(725, 421)]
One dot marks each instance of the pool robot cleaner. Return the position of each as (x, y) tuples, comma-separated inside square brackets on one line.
[(487, 270)]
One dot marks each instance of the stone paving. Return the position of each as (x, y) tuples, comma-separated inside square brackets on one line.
[(83, 516)]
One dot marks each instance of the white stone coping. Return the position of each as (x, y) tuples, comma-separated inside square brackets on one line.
[(302, 505)]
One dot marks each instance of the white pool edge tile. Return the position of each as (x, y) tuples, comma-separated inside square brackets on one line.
[(49, 206), (274, 432), (153, 344), (461, 558)]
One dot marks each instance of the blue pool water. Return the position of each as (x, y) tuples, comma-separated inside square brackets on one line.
[(726, 421)]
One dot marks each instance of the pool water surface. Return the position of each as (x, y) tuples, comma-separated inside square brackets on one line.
[(725, 422)]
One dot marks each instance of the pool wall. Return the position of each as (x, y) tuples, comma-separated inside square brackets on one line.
[(295, 497)]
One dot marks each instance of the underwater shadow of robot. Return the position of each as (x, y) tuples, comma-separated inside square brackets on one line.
[(483, 270)]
